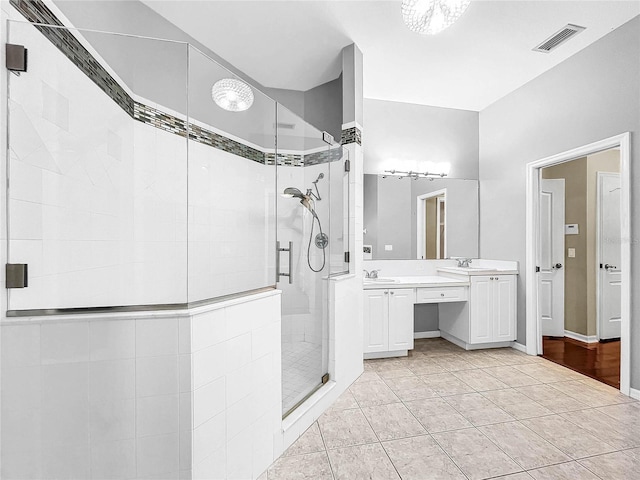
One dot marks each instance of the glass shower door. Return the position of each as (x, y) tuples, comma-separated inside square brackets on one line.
[(310, 211)]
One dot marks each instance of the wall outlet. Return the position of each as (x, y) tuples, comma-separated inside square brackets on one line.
[(571, 253), (388, 248)]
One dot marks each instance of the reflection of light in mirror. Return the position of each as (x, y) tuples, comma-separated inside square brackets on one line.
[(433, 168)]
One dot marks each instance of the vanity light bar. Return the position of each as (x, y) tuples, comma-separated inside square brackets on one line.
[(411, 174)]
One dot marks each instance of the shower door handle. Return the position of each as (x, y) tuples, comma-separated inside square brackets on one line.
[(278, 273)]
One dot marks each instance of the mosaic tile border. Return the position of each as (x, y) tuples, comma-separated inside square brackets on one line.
[(35, 11), (351, 135)]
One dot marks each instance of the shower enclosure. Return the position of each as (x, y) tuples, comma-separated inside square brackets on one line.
[(130, 189)]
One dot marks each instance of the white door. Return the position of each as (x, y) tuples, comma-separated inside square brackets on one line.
[(376, 321), (609, 255), (551, 258), (401, 319)]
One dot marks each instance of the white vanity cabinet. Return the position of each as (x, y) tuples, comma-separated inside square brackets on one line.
[(388, 325), (489, 317)]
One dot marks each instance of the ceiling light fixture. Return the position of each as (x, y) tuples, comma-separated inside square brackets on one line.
[(232, 94), (429, 17)]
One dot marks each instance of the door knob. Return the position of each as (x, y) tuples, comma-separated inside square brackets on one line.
[(557, 266), (609, 267)]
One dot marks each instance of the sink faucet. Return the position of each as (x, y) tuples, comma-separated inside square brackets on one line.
[(371, 274), (464, 262)]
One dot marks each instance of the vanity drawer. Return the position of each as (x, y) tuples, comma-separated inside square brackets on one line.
[(438, 294)]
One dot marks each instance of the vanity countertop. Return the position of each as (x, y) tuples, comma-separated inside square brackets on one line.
[(469, 271), (413, 282)]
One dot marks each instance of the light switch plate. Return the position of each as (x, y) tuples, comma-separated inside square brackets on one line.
[(571, 253), (388, 248)]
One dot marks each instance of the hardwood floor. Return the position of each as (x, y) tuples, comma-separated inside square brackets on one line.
[(596, 360)]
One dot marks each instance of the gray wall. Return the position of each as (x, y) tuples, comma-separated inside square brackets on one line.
[(394, 220), (157, 71), (403, 135), (593, 95)]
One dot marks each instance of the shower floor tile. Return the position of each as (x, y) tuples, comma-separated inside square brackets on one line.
[(301, 371)]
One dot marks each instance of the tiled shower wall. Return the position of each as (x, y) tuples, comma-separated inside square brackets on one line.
[(152, 396)]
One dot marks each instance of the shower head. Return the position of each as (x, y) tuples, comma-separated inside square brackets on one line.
[(319, 177), (305, 200), (292, 192)]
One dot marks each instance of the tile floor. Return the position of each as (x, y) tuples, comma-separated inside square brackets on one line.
[(444, 413), (301, 371)]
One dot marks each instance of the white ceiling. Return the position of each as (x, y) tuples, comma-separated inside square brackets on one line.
[(487, 54)]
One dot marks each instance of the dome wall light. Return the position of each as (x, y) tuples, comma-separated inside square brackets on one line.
[(232, 94), (428, 17)]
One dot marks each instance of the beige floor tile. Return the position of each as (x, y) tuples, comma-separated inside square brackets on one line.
[(345, 427), (368, 376), (522, 445), (614, 466), (477, 409), (436, 415), (395, 373), (410, 388), (480, 380), (454, 363), (547, 373), (309, 442), (616, 433), (475, 454), (568, 437), (420, 458), (424, 366), (551, 398), (628, 413), (362, 462), (446, 384), (563, 471), (590, 395), (483, 359), (393, 421), (511, 377), (312, 466), (516, 404), (374, 393), (515, 476), (344, 402), (386, 364)]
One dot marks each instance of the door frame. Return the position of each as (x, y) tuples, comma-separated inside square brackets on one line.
[(599, 175), (533, 330), (420, 225)]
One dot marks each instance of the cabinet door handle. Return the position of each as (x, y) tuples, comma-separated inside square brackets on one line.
[(392, 293), (386, 293), (490, 278), (442, 294)]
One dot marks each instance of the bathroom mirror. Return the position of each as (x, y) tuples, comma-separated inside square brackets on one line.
[(424, 218)]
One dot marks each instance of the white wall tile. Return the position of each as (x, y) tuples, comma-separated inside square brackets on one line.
[(22, 464), (64, 461), (112, 339), (114, 460), (112, 419), (208, 401), (186, 451), (209, 329), (156, 375), (21, 408), (157, 336), (64, 342), (65, 405), (112, 380), (157, 454), (209, 364), (157, 415), (240, 415), (186, 411), (238, 351), (214, 467), (20, 345), (184, 332), (209, 437), (185, 373), (239, 453)]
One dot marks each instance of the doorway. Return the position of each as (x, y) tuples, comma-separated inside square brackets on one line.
[(431, 225), (578, 263), (579, 279)]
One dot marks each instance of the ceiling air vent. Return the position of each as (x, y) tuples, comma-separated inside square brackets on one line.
[(558, 38)]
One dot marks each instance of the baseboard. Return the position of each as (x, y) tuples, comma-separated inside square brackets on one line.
[(520, 347), (433, 334), (633, 393), (581, 338), (475, 346)]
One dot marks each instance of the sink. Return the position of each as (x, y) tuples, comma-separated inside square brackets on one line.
[(381, 280)]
